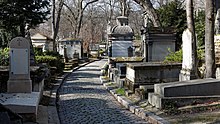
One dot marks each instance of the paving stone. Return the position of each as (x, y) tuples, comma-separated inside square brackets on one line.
[(83, 99)]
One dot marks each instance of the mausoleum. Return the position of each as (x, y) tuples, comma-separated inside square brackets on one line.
[(120, 39)]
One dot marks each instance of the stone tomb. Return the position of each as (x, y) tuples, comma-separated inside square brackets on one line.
[(191, 89), (121, 39), (117, 70), (19, 97), (158, 43), (150, 73)]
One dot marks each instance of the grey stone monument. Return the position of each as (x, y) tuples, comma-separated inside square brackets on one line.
[(19, 67), (120, 38), (188, 70)]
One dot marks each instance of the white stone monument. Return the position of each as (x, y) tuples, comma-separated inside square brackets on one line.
[(19, 68), (188, 69)]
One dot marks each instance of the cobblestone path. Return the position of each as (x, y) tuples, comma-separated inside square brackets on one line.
[(84, 100)]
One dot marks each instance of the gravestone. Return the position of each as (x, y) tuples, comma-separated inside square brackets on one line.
[(19, 67), (188, 69)]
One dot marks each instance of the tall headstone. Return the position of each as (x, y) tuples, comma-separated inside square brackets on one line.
[(19, 67), (188, 69)]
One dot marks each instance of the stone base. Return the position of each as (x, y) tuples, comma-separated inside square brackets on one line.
[(185, 89), (186, 75), (165, 102), (130, 85), (19, 86), (22, 103)]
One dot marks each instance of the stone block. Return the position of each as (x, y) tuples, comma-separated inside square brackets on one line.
[(38, 87), (155, 100), (121, 83), (186, 75), (199, 87), (132, 108), (25, 86), (22, 103)]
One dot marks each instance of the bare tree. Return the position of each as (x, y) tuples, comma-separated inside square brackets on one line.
[(80, 6), (209, 39), (56, 20), (148, 7)]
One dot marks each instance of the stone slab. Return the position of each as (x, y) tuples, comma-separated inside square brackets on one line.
[(21, 102), (164, 102), (198, 87)]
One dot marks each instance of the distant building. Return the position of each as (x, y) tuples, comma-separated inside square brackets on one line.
[(42, 42), (94, 50), (72, 47), (103, 49), (102, 46)]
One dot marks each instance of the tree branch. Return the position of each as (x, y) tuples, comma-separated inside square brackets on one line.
[(73, 14), (89, 3)]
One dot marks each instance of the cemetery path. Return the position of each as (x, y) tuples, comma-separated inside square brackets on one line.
[(84, 100)]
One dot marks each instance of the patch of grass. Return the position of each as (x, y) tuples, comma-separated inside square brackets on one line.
[(111, 84), (121, 91), (105, 77)]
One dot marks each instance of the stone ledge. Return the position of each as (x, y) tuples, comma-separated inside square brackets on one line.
[(148, 116)]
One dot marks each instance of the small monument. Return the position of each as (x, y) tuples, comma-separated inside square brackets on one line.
[(188, 65), (19, 69)]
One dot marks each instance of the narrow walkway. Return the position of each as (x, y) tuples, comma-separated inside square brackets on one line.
[(84, 100)]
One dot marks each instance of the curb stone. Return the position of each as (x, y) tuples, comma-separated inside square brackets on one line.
[(148, 116)]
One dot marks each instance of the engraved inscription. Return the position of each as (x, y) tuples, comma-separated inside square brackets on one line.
[(19, 61)]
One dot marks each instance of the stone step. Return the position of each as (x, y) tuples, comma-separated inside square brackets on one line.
[(22, 103), (198, 87)]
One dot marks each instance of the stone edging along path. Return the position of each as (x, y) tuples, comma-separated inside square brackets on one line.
[(137, 110)]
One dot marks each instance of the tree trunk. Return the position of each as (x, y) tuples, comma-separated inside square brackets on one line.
[(209, 39), (56, 21), (53, 24), (149, 9), (191, 27)]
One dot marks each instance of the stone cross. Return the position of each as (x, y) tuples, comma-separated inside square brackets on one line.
[(19, 66), (188, 69)]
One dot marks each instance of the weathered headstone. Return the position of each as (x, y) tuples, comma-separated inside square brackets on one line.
[(188, 71), (19, 74)]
